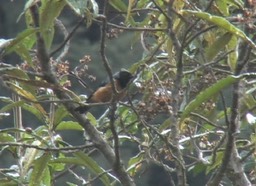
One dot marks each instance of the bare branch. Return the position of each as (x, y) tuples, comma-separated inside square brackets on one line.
[(180, 164), (67, 38), (116, 164), (135, 29), (92, 132), (207, 120), (48, 149), (60, 25)]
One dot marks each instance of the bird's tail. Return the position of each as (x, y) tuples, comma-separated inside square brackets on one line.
[(82, 109)]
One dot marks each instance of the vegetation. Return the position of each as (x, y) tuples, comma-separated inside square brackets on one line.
[(190, 110)]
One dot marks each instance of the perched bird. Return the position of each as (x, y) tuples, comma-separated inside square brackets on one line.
[(105, 92)]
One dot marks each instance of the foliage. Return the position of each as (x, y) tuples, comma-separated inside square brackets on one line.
[(190, 110)]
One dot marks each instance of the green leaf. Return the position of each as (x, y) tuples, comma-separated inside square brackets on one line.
[(165, 125), (6, 99), (141, 3), (22, 78), (11, 106), (235, 3), (222, 23), (79, 7), (57, 167), (4, 137), (222, 6), (218, 46), (46, 178), (135, 163), (218, 161), (84, 160), (40, 173), (207, 94), (249, 101), (49, 11), (122, 7), (13, 71), (22, 44), (67, 160), (119, 5), (23, 52), (69, 125), (4, 43), (93, 166), (233, 56), (60, 113), (36, 110), (21, 92), (198, 168), (30, 156), (7, 182), (95, 7), (19, 39), (27, 95), (91, 118), (28, 4), (129, 8)]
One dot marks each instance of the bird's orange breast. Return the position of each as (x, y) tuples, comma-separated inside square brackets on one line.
[(104, 94)]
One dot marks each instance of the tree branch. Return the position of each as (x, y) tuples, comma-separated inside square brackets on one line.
[(116, 164), (231, 159), (92, 132), (48, 149), (67, 38), (180, 164)]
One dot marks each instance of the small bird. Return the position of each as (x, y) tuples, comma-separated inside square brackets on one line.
[(104, 93)]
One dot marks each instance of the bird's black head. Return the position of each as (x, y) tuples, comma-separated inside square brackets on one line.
[(124, 77)]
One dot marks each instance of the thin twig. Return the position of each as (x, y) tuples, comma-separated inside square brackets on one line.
[(48, 149), (204, 65), (198, 34), (199, 152), (180, 164), (80, 80), (61, 26), (117, 166), (67, 38), (113, 101), (207, 120), (136, 29), (250, 153), (89, 183)]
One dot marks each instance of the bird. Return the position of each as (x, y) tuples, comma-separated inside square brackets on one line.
[(104, 93)]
